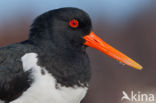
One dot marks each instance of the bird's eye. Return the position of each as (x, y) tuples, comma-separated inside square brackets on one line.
[(73, 23)]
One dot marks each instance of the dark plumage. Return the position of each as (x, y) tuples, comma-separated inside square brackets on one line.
[(68, 63), (65, 45)]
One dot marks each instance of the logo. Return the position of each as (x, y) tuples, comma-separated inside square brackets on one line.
[(138, 96)]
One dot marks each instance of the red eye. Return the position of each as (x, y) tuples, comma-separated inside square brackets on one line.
[(74, 23)]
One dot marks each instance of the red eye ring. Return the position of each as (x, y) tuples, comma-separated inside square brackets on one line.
[(73, 23)]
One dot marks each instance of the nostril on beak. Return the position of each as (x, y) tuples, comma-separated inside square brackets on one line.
[(95, 40)]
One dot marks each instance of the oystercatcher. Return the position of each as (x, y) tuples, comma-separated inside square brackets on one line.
[(52, 65)]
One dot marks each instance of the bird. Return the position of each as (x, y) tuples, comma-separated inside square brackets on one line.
[(52, 65)]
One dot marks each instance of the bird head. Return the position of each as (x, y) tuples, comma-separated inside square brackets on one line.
[(72, 28)]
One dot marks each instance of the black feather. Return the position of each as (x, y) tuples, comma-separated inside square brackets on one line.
[(59, 48)]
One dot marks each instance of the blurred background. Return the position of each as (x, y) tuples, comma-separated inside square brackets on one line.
[(128, 25)]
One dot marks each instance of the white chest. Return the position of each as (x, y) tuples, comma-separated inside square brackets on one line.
[(43, 89)]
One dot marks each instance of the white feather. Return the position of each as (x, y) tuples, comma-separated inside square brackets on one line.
[(43, 89), (2, 101)]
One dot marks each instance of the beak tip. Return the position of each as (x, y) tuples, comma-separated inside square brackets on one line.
[(139, 67)]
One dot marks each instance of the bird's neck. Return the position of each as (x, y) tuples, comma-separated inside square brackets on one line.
[(69, 67)]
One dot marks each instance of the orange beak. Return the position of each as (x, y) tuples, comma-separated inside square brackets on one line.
[(95, 42)]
